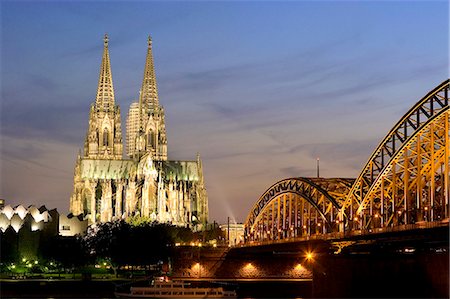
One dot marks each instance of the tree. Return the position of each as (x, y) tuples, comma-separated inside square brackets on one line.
[(66, 251), (121, 243)]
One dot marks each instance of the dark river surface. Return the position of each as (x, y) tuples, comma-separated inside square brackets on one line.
[(105, 289)]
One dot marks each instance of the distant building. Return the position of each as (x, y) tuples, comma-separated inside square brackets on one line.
[(234, 232), (132, 128), (72, 225), (107, 186)]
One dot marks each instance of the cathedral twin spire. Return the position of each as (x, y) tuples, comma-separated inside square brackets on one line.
[(150, 136), (149, 92), (149, 120), (105, 90), (104, 135), (148, 98)]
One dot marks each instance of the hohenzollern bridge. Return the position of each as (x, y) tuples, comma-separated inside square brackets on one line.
[(383, 234), (403, 185)]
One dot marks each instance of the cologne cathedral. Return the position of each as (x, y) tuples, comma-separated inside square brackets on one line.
[(108, 186)]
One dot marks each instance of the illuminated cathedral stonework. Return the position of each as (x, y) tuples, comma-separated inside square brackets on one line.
[(108, 186)]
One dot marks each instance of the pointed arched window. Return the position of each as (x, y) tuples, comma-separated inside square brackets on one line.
[(151, 139), (105, 137), (86, 202)]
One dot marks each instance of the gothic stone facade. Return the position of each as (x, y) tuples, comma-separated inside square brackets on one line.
[(108, 186)]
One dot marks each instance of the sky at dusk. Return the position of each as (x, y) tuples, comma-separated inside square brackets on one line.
[(259, 88)]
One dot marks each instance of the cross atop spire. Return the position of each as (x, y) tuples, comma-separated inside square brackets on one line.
[(149, 92), (105, 89)]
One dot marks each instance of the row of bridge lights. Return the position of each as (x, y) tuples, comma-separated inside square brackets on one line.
[(338, 221), (291, 229), (356, 220), (399, 212), (318, 224)]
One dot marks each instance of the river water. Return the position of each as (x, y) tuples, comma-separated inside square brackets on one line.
[(105, 289)]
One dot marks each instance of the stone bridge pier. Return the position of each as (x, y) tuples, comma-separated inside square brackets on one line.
[(246, 263)]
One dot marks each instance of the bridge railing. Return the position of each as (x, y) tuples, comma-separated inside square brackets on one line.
[(347, 234)]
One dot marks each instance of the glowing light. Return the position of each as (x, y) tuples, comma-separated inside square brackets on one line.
[(13, 266), (177, 244), (248, 270), (34, 227), (298, 267), (36, 262), (304, 226), (24, 260), (376, 215), (356, 218), (309, 255), (196, 267), (426, 208), (214, 245)]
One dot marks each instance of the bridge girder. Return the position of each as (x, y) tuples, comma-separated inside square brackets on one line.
[(297, 206), (412, 187), (411, 155)]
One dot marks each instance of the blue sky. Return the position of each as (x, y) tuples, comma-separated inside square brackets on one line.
[(258, 88)]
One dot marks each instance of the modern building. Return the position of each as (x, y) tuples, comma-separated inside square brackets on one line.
[(27, 232), (234, 233), (33, 219), (132, 128), (108, 186)]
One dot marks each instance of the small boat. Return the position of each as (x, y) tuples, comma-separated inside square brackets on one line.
[(163, 288)]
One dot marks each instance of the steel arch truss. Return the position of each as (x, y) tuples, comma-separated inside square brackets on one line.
[(406, 180), (297, 207)]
